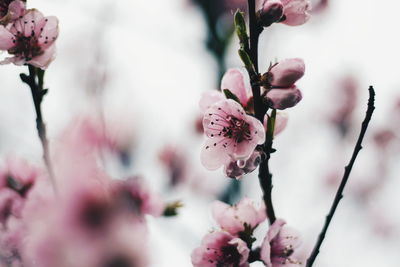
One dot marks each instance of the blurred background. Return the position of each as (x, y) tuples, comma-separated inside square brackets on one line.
[(140, 68)]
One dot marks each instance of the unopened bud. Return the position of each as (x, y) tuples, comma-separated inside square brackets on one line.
[(271, 11), (284, 98), (286, 72)]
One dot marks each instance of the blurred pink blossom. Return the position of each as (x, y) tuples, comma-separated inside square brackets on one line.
[(176, 163), (345, 105), (30, 39), (232, 134), (221, 249), (16, 180)]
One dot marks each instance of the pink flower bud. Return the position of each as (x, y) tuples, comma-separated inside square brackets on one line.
[(284, 98), (270, 12), (296, 12), (286, 72)]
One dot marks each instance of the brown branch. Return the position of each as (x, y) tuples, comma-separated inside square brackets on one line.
[(347, 171)]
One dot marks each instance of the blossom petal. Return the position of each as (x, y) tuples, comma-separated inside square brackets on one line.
[(215, 153), (27, 24), (49, 32), (44, 60), (6, 39), (238, 82)]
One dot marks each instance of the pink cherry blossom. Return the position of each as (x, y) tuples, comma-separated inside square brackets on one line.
[(271, 11), (30, 39), (296, 12), (236, 169), (238, 82), (284, 98), (279, 246), (234, 219), (286, 72), (11, 10), (232, 134), (221, 249)]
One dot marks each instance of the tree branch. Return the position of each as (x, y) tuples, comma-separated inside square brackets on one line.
[(347, 171), (35, 82), (265, 176)]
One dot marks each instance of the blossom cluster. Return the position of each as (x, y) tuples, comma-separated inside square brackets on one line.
[(239, 129), (232, 245), (233, 133)]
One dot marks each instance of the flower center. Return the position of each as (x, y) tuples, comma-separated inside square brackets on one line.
[(119, 261), (94, 214), (230, 257), (26, 47), (237, 129)]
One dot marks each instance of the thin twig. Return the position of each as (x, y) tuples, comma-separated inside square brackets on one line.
[(255, 31), (347, 171), (265, 176), (35, 82)]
